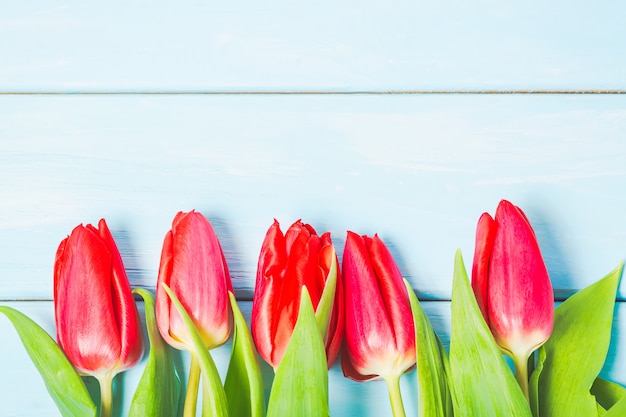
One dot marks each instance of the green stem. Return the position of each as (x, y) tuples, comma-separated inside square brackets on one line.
[(521, 373), (395, 396), (106, 394), (191, 398)]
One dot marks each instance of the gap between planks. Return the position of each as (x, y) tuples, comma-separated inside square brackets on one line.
[(244, 295), (327, 92)]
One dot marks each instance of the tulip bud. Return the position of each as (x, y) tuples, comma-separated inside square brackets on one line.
[(379, 330), (97, 321), (194, 268), (512, 286), (511, 282), (287, 263)]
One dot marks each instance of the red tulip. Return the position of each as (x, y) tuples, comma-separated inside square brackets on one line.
[(512, 286), (194, 267), (511, 282), (286, 263), (96, 318), (379, 330)]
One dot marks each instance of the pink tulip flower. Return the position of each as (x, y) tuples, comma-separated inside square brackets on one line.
[(379, 330), (194, 267), (286, 263), (511, 284), (97, 321)]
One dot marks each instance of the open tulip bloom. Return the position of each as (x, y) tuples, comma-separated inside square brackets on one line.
[(304, 311), (288, 262)]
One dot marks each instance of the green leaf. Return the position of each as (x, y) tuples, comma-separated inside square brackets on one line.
[(244, 381), (577, 349), (433, 395), (325, 306), (300, 385), (482, 383), (533, 384), (158, 392), (445, 361), (214, 403), (610, 396), (65, 386)]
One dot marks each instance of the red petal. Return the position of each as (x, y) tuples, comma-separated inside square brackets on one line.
[(270, 272), (123, 304), (393, 291), (301, 267), (199, 278), (336, 326), (368, 333), (87, 328), (58, 269), (485, 236), (521, 301), (349, 371), (163, 302)]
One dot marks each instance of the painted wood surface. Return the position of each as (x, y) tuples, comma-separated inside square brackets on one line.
[(27, 396), (418, 170), (323, 45)]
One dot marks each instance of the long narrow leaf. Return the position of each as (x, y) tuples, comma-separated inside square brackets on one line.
[(65, 386), (244, 382), (577, 349), (482, 383), (445, 361), (325, 306), (158, 392), (433, 395), (533, 384), (300, 385), (214, 403)]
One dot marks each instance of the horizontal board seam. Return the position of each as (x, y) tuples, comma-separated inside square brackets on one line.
[(328, 92)]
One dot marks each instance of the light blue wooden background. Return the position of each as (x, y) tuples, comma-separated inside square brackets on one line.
[(407, 119)]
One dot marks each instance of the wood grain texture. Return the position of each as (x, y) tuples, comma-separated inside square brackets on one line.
[(308, 46), (417, 170), (26, 395)]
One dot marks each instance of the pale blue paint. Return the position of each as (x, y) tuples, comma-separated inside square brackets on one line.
[(418, 170), (285, 45)]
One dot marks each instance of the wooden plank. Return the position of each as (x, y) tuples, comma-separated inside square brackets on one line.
[(26, 395), (417, 170), (284, 46)]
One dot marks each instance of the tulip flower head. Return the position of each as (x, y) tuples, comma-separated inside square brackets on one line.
[(97, 322), (194, 267), (287, 263), (512, 286), (379, 329), (511, 281)]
